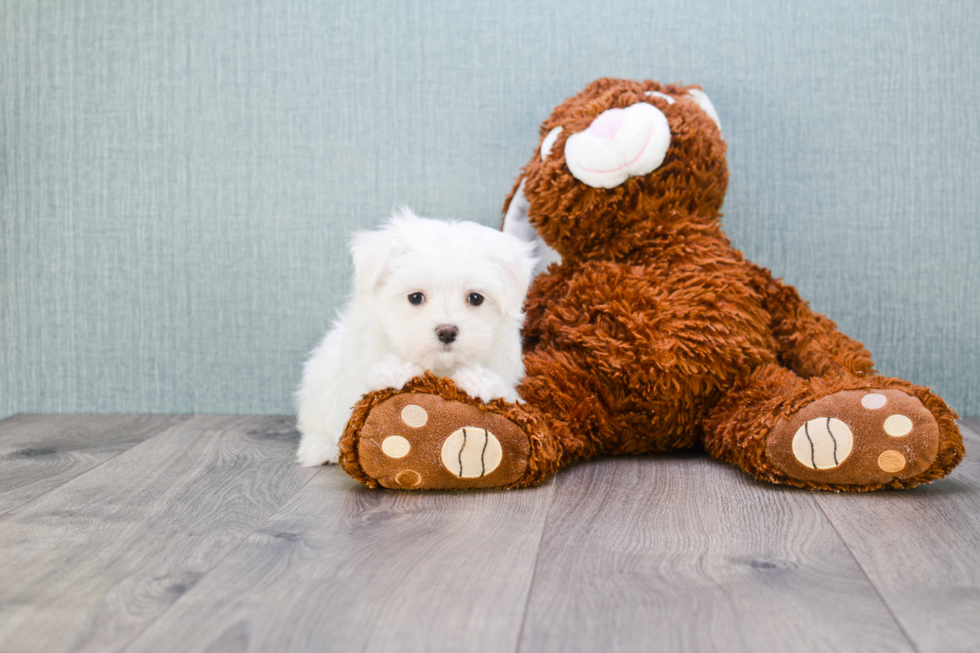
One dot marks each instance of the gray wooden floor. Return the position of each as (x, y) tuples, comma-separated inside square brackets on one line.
[(160, 533)]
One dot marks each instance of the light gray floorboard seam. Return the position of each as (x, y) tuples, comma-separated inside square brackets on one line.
[(222, 559), (90, 469), (969, 433), (847, 546), (537, 557)]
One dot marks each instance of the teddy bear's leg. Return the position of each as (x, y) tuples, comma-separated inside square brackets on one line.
[(827, 419), (429, 436), (837, 431), (808, 343)]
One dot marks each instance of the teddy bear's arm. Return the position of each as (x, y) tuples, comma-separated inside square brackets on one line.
[(545, 291), (809, 343)]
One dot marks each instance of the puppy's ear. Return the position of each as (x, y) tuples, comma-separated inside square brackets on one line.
[(371, 251), (516, 259)]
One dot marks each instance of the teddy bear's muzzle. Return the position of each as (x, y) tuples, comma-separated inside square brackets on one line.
[(619, 144)]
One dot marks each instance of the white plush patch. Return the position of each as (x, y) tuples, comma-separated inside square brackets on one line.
[(874, 401), (619, 144), (414, 416), (702, 100), (898, 426), (517, 224), (471, 452), (395, 446), (823, 443), (658, 94), (549, 142)]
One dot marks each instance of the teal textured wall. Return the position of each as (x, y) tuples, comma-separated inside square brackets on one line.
[(179, 178)]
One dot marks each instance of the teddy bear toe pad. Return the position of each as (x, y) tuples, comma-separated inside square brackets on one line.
[(856, 437), (423, 442)]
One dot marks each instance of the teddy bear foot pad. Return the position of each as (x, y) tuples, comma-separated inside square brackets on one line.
[(424, 442), (856, 437)]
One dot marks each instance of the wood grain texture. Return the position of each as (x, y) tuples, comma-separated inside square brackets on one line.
[(206, 536), (89, 565), (921, 549), (682, 553), (343, 568), (973, 433), (41, 452)]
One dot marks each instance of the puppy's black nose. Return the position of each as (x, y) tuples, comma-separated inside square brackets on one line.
[(446, 332)]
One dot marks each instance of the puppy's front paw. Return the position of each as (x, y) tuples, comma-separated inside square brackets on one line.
[(315, 450), (391, 372), (484, 384)]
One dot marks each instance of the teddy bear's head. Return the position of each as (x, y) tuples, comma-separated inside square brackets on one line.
[(619, 161)]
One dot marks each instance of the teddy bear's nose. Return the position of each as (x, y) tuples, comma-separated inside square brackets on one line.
[(607, 124)]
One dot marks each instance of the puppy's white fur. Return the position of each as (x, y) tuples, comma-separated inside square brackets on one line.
[(381, 340)]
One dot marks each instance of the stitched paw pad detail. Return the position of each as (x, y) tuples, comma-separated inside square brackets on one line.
[(424, 442), (856, 437), (471, 453), (822, 443)]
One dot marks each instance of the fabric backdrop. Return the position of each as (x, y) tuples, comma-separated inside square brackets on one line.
[(180, 178)]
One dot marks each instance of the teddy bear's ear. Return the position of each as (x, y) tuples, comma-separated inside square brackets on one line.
[(517, 224), (702, 100), (549, 142)]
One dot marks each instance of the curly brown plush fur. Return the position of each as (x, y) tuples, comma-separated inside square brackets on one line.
[(654, 334)]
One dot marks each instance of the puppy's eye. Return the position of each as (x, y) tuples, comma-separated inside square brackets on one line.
[(416, 298), (475, 298)]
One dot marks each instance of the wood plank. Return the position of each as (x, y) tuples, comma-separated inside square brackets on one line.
[(921, 549), (344, 568), (973, 424), (89, 565), (40, 452), (683, 553)]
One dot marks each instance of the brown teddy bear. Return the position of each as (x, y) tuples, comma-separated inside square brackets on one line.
[(650, 333)]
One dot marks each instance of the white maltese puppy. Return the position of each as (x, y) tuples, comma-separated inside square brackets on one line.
[(428, 295)]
